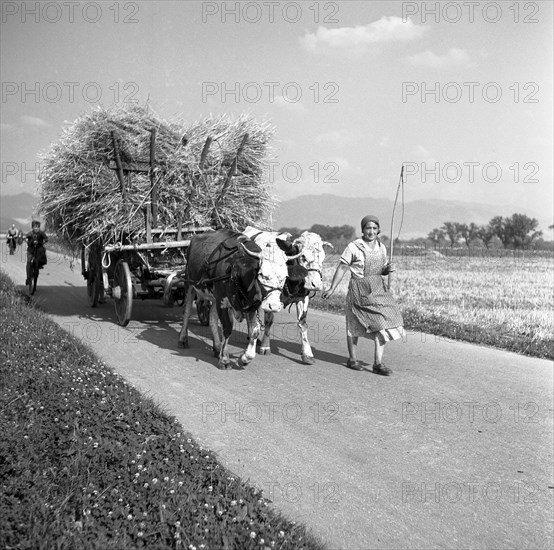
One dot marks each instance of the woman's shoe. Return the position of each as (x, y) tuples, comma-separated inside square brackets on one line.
[(382, 370), (354, 365)]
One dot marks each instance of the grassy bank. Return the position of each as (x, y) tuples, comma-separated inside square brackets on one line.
[(86, 461), (502, 302)]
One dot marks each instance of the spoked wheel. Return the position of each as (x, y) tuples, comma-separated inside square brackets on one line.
[(33, 276), (122, 292), (203, 311), (94, 277)]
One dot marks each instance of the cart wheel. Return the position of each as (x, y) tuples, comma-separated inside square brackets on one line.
[(94, 278), (122, 292), (203, 311)]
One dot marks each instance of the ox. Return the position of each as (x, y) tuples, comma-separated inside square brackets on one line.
[(303, 281), (223, 267)]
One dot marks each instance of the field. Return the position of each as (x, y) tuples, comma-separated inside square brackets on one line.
[(501, 301)]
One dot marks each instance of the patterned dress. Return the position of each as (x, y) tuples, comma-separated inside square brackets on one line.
[(371, 310)]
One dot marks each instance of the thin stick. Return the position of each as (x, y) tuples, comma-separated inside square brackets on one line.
[(393, 210)]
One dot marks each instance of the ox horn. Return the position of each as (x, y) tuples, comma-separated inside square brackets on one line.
[(294, 256), (325, 243), (257, 255)]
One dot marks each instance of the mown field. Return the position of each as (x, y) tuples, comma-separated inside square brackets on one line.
[(506, 302), (86, 461)]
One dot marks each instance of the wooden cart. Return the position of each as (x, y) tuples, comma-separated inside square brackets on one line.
[(127, 272), (151, 268)]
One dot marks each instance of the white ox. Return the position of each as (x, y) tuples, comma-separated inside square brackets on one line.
[(273, 268), (304, 279)]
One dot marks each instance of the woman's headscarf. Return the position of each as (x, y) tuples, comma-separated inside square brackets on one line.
[(370, 218)]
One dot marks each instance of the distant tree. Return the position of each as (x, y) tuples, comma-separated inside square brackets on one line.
[(501, 228), (486, 234), (523, 229), (334, 234), (469, 232), (294, 231), (519, 230), (453, 230), (437, 237)]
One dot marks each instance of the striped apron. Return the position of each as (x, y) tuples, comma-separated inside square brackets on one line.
[(371, 310)]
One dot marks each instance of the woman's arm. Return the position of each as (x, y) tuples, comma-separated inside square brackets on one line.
[(337, 278)]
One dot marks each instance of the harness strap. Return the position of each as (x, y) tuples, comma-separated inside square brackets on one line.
[(210, 260)]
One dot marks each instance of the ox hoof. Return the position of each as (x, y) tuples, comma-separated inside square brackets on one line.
[(307, 359), (265, 351), (183, 345), (224, 365), (244, 360)]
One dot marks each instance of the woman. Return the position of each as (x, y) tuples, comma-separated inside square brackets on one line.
[(371, 310)]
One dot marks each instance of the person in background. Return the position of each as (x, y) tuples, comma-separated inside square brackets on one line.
[(11, 237), (36, 238), (371, 310)]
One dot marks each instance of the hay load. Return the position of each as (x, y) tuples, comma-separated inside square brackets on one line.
[(83, 200)]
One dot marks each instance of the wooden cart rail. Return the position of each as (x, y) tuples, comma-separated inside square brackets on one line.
[(146, 246)]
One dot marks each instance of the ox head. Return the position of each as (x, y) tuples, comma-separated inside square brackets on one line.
[(310, 256), (273, 268), (244, 288)]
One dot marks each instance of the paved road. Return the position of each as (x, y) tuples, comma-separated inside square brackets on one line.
[(452, 451)]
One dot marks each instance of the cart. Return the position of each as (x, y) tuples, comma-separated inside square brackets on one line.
[(132, 271), (151, 268)]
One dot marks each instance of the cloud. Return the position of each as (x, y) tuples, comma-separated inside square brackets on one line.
[(293, 106), (336, 138), (426, 156), (384, 141), (33, 121), (454, 57), (386, 29)]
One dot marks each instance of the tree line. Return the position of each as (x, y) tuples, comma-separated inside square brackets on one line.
[(517, 231)]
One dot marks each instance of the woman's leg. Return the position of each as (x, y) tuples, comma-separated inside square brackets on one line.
[(378, 367), (352, 342), (379, 350)]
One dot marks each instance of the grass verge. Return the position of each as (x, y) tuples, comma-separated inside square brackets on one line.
[(86, 461)]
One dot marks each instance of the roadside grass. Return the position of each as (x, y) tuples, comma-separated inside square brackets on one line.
[(86, 461), (503, 302)]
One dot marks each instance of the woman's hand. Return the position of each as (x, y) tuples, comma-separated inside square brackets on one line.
[(388, 268), (327, 293)]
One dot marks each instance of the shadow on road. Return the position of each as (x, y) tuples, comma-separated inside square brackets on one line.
[(157, 324)]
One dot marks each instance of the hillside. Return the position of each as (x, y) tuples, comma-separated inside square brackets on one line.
[(420, 216)]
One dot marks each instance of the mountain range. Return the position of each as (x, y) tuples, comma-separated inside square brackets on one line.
[(420, 216)]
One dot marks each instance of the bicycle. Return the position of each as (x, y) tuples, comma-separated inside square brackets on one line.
[(32, 271), (11, 244)]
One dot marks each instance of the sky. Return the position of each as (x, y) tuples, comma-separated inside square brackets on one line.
[(459, 93)]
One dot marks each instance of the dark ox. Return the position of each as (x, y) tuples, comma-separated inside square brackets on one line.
[(223, 267), (304, 279)]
